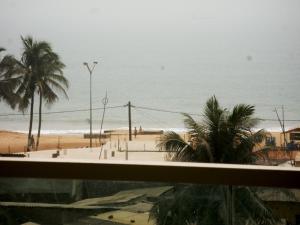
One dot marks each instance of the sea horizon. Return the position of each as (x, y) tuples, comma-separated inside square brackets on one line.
[(171, 63)]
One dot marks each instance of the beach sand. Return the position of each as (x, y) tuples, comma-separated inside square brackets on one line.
[(11, 142)]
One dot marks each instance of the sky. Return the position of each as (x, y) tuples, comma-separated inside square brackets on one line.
[(120, 31)]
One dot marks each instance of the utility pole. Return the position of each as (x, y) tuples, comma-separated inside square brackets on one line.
[(104, 101), (129, 120), (282, 127), (90, 69), (126, 151)]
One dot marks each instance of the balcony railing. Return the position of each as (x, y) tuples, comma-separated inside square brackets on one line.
[(126, 192), (178, 172)]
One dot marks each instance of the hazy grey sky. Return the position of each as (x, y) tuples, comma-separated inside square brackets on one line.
[(157, 30), (202, 44)]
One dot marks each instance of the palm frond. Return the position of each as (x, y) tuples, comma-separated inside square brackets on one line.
[(193, 127), (240, 113), (48, 94), (62, 80), (9, 79), (203, 153), (255, 207), (43, 70), (179, 149), (214, 114), (57, 86)]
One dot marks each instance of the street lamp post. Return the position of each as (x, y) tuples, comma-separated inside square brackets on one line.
[(90, 69)]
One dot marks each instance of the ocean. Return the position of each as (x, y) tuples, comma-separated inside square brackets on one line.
[(164, 55), (154, 89)]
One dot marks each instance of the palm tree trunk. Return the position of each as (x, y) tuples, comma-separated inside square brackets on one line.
[(30, 123), (40, 122)]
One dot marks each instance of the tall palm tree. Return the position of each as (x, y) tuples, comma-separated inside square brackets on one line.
[(42, 72), (223, 136), (50, 81), (31, 61), (10, 72)]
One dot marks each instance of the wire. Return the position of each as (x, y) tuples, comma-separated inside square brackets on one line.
[(137, 107), (152, 118), (166, 111), (65, 111), (194, 114)]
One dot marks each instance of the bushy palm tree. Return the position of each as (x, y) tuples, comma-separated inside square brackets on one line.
[(223, 136), (9, 79), (42, 74)]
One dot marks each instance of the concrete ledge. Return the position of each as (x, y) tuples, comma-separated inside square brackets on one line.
[(200, 173)]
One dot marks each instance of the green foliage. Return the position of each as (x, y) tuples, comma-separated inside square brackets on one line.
[(9, 79), (43, 74), (40, 71), (223, 136)]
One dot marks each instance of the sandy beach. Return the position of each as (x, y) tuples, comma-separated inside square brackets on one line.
[(11, 142)]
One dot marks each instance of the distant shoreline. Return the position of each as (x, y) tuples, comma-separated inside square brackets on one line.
[(85, 131)]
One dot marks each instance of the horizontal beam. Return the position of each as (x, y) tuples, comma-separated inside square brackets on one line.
[(55, 206), (198, 173)]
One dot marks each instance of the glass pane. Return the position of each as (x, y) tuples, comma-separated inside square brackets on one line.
[(42, 201)]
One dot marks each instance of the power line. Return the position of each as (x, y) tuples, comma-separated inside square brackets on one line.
[(137, 107), (64, 111), (166, 111), (151, 117), (195, 114)]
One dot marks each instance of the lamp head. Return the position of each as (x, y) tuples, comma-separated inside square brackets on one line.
[(85, 63), (95, 62)]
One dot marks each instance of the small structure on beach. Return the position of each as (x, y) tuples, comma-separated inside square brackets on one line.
[(278, 139), (292, 138), (293, 135)]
